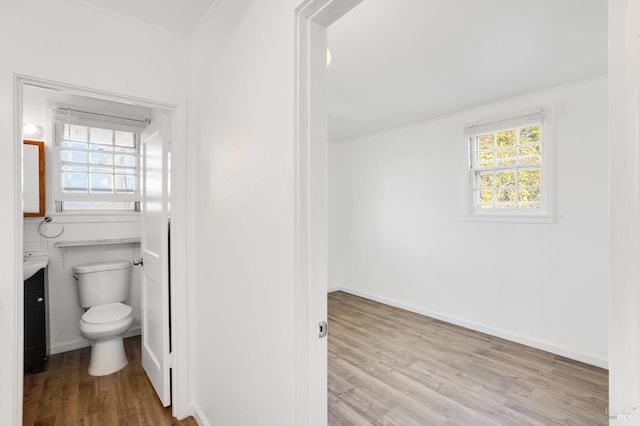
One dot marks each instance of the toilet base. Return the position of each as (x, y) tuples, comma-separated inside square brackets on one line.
[(107, 357)]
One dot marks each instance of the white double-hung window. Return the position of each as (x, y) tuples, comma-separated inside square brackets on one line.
[(97, 161), (508, 177)]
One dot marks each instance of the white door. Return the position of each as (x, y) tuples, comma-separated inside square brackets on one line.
[(155, 254)]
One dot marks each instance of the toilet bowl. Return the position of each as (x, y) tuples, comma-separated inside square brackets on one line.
[(104, 326), (102, 287)]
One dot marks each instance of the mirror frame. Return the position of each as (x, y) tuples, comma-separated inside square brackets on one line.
[(41, 178)]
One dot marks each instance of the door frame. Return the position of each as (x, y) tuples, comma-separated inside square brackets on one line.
[(179, 312), (311, 21), (312, 18)]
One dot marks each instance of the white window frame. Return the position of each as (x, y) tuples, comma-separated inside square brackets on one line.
[(544, 214), (65, 114)]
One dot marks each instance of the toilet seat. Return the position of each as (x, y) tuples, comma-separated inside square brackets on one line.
[(107, 314)]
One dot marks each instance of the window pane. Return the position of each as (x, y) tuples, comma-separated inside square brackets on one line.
[(101, 136), (125, 171), (77, 133), (125, 139), (486, 141), (530, 149), (485, 179), (506, 198), (77, 145), (73, 156), (529, 194), (507, 138), (74, 169), (101, 183), (506, 156), (530, 134), (487, 159), (100, 158), (125, 184), (126, 160), (529, 177), (74, 182), (487, 197), (506, 178)]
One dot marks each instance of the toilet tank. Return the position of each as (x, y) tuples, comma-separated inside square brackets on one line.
[(102, 283)]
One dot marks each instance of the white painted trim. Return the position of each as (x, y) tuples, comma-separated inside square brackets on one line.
[(502, 218), (624, 208), (333, 288), (129, 19), (310, 188), (17, 339), (197, 414), (205, 19), (179, 308), (179, 272), (72, 345), (472, 325)]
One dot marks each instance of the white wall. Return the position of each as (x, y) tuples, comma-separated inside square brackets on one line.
[(397, 232), (243, 300), (64, 307), (63, 41)]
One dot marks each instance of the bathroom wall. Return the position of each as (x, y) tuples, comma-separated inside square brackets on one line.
[(398, 235), (64, 308)]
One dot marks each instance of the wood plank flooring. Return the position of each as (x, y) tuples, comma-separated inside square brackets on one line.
[(392, 367), (66, 394)]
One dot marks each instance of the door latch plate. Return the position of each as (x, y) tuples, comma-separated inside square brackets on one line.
[(323, 329)]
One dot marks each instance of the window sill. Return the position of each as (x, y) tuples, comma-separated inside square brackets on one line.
[(509, 218)]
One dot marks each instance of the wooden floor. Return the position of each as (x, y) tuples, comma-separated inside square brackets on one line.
[(67, 395), (392, 367)]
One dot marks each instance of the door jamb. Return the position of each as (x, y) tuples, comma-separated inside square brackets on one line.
[(312, 18)]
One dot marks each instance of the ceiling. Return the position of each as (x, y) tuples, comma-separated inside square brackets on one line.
[(181, 18), (397, 62)]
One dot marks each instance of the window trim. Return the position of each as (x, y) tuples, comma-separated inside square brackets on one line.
[(545, 214)]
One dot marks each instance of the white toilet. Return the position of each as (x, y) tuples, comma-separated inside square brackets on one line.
[(102, 287)]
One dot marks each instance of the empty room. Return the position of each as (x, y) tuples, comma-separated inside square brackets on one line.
[(468, 183)]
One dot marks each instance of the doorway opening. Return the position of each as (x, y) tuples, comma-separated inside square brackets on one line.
[(312, 161), (72, 231)]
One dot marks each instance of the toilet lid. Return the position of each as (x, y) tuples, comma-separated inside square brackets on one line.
[(107, 313)]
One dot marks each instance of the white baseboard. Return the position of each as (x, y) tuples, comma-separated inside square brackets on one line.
[(503, 334), (198, 415), (334, 288), (72, 345)]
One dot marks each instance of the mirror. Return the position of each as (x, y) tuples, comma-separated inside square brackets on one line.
[(33, 178)]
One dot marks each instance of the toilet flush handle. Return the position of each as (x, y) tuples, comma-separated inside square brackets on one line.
[(137, 262), (75, 277)]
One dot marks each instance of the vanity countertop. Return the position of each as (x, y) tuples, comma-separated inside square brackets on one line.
[(33, 264)]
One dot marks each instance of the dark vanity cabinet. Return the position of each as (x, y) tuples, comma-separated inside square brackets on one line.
[(35, 323)]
